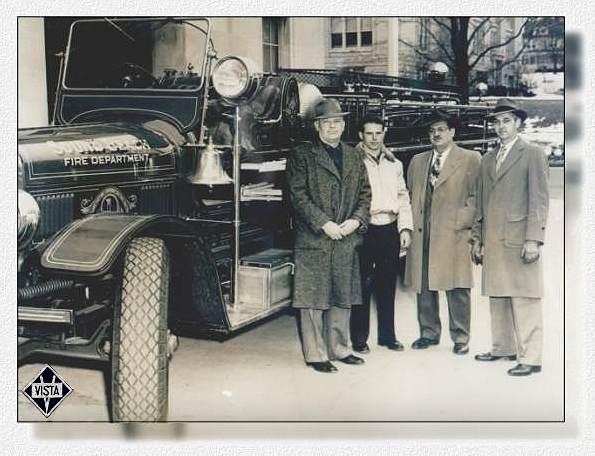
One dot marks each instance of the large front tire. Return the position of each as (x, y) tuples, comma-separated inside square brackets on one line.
[(140, 350)]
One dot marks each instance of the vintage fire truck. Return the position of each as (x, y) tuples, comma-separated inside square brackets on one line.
[(154, 207)]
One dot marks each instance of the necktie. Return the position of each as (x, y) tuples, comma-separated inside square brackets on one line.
[(436, 167)]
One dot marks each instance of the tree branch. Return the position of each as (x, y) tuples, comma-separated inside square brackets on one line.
[(503, 64), (423, 54), (442, 24), (476, 29), (499, 45), (512, 59), (438, 42)]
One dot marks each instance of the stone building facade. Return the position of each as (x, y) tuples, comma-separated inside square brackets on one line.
[(408, 46), (544, 46)]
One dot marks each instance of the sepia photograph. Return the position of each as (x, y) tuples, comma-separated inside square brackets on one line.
[(291, 219)]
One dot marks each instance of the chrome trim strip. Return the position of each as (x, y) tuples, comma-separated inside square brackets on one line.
[(45, 315)]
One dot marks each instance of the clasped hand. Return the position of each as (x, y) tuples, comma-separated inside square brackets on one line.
[(338, 232)]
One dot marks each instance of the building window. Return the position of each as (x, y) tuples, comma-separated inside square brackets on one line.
[(336, 32), (365, 31), (349, 32), (271, 43), (510, 47), (478, 42)]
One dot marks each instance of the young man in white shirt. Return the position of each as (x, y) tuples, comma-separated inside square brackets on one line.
[(389, 231)]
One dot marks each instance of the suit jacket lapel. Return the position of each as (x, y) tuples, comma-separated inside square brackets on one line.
[(513, 156), (324, 160), (425, 168), (491, 158), (450, 166)]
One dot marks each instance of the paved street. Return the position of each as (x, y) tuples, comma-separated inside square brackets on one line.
[(260, 375)]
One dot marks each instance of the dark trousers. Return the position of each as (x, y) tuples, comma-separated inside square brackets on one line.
[(459, 299), (459, 314), (379, 266)]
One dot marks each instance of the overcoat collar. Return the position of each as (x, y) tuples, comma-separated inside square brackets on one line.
[(450, 165), (426, 161), (323, 160), (490, 158), (513, 156)]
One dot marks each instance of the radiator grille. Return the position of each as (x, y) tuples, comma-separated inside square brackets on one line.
[(56, 211), (156, 199)]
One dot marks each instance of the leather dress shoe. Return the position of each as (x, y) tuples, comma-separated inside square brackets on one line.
[(323, 366), (422, 343), (489, 357), (523, 369), (352, 359), (396, 346), (460, 348), (361, 348)]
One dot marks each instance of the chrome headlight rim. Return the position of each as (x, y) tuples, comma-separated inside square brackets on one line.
[(235, 79), (28, 216)]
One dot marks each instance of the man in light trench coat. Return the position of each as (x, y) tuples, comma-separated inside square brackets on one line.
[(509, 231), (330, 195), (442, 183)]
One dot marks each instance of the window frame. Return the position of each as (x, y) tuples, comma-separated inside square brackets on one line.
[(276, 24), (343, 34)]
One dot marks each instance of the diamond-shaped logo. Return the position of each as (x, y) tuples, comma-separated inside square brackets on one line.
[(47, 391)]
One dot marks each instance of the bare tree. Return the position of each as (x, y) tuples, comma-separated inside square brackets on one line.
[(458, 42)]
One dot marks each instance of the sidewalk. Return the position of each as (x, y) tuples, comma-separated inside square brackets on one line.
[(260, 375)]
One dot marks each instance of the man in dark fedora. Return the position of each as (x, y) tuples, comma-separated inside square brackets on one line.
[(508, 234), (330, 195), (442, 183)]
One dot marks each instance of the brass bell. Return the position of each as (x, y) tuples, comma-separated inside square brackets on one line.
[(209, 170)]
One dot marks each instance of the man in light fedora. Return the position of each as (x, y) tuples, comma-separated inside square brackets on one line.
[(507, 238), (330, 195), (442, 183)]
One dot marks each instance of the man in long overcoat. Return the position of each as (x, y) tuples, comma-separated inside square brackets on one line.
[(442, 183), (330, 195), (513, 199)]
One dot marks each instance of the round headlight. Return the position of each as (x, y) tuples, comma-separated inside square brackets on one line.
[(234, 77), (27, 218)]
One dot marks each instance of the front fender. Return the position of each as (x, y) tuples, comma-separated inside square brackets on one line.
[(92, 244)]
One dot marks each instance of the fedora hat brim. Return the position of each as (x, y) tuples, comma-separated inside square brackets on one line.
[(521, 114), (331, 114), (440, 116)]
